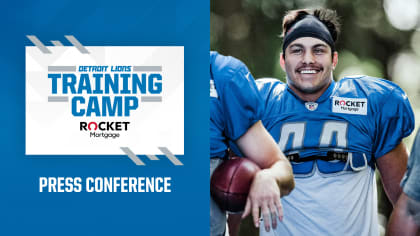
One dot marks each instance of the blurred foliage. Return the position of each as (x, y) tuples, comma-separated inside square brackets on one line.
[(369, 43)]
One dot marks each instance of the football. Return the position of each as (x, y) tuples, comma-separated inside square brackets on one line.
[(230, 183)]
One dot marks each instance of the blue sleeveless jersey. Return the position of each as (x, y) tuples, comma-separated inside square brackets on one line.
[(363, 116), (235, 102)]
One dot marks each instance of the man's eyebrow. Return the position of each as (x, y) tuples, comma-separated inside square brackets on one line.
[(314, 46), (320, 45), (296, 45)]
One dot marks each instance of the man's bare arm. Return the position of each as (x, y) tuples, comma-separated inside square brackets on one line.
[(258, 145), (392, 167), (273, 181)]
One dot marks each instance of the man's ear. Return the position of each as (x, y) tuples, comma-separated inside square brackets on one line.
[(282, 62), (335, 59)]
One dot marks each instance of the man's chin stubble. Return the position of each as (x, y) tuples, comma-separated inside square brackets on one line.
[(308, 90)]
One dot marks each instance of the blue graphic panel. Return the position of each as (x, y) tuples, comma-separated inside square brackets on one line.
[(24, 210)]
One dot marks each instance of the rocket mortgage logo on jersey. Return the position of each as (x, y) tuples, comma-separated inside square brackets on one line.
[(104, 91), (355, 106)]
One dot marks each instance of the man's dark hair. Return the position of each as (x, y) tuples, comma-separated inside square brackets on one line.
[(328, 17)]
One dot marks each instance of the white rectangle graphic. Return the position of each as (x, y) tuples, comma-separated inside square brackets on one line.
[(97, 102), (355, 106)]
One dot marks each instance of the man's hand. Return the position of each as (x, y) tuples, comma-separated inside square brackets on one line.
[(272, 182), (403, 218), (265, 195)]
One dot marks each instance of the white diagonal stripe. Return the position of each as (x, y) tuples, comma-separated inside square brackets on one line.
[(38, 43), (57, 43), (77, 44), (132, 156), (170, 156), (153, 157)]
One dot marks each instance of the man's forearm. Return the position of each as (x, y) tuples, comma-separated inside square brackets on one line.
[(282, 172), (392, 167)]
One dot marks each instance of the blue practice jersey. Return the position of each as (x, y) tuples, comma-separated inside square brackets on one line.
[(363, 116), (235, 102), (359, 118)]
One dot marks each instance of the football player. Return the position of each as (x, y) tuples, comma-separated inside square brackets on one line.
[(235, 115), (334, 133)]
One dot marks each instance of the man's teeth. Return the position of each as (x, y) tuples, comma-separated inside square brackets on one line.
[(308, 71)]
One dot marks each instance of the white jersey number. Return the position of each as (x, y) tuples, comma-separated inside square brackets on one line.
[(296, 131)]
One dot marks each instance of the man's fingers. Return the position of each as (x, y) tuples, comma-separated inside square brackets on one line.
[(247, 208), (273, 214), (266, 216), (279, 207), (256, 214)]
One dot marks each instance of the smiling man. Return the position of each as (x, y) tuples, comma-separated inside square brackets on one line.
[(334, 133)]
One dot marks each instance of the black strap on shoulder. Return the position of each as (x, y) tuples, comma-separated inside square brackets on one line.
[(331, 156)]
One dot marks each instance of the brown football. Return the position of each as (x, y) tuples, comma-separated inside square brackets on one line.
[(230, 183)]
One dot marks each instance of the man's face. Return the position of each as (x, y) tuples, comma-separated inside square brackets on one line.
[(308, 64)]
